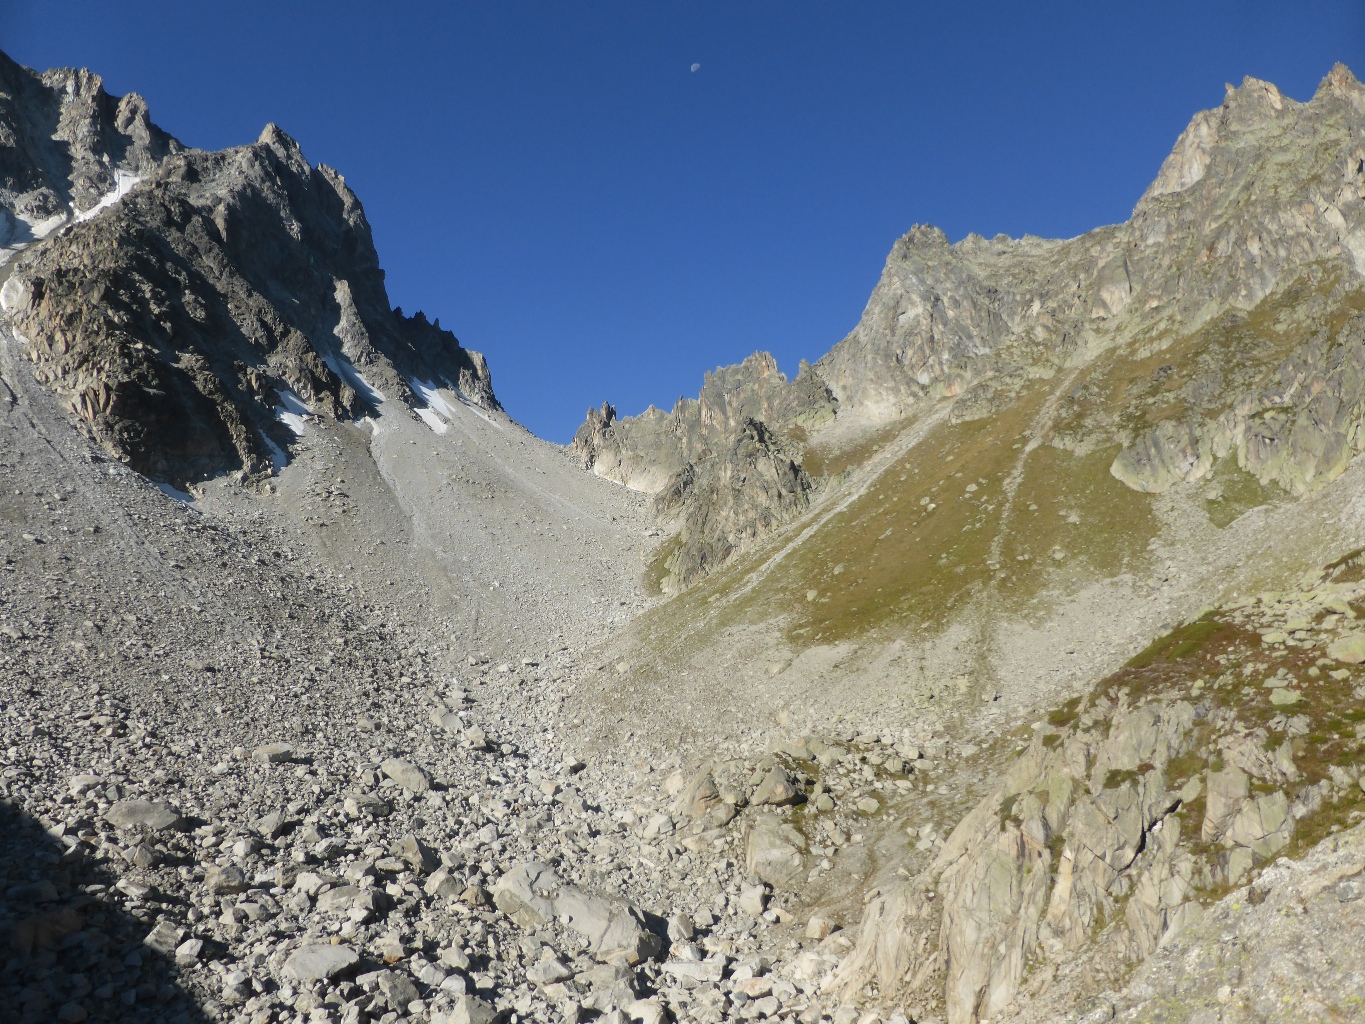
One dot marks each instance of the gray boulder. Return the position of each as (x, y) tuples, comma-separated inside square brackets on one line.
[(526, 894), (776, 789), (148, 814), (614, 928), (406, 774), (317, 962), (774, 851)]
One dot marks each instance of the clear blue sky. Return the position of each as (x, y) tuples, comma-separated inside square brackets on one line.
[(553, 182)]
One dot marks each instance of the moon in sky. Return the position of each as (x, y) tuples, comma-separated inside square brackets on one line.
[(696, 68)]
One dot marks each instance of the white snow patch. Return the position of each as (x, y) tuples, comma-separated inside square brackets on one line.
[(123, 184), (279, 458), (291, 412), (429, 392), (18, 231), (173, 492), (345, 369), (430, 418), (9, 294)]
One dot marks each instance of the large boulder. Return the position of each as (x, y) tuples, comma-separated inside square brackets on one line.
[(776, 789), (526, 894), (150, 814), (775, 851), (406, 774), (319, 962), (699, 796), (614, 928), (1349, 649), (532, 895)]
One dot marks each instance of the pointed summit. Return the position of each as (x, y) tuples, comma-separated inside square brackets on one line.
[(1341, 84)]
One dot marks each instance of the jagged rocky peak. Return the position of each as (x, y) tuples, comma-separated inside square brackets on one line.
[(724, 467), (645, 452), (66, 145), (1260, 202), (1224, 224), (225, 287)]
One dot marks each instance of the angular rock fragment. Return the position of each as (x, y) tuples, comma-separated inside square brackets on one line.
[(615, 929), (776, 789), (526, 894), (273, 753), (150, 814), (317, 962), (406, 774)]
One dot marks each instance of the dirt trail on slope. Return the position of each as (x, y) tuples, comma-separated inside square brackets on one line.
[(863, 478)]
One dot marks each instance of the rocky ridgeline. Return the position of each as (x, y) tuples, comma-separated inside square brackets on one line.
[(1261, 198), (1230, 743), (215, 297), (724, 467), (1251, 193), (65, 146)]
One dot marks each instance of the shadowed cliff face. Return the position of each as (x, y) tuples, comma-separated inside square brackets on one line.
[(181, 301), (66, 144), (728, 500)]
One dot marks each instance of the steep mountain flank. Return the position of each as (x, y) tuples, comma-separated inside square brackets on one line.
[(1254, 225), (223, 288)]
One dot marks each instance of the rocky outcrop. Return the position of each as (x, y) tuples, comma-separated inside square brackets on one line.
[(1283, 948), (66, 148), (223, 290), (645, 452), (1299, 429), (725, 466), (1171, 782), (726, 501)]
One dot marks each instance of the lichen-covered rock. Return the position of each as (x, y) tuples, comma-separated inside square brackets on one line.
[(699, 796)]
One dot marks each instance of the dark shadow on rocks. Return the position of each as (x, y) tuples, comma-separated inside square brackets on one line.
[(74, 946)]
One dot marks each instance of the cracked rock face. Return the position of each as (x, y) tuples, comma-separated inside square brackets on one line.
[(223, 290), (1131, 810), (726, 501), (66, 145)]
